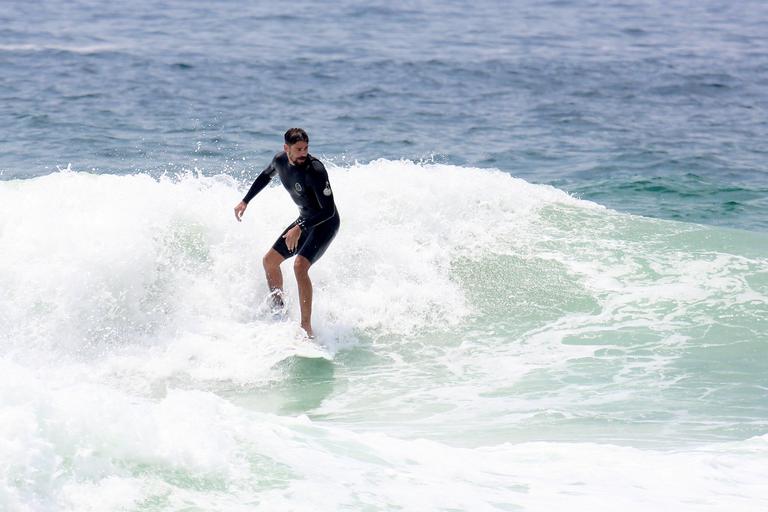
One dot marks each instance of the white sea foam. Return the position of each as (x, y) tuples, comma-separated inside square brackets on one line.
[(90, 447), (83, 49), (467, 313), (100, 259)]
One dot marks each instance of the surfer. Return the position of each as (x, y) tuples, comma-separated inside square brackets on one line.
[(307, 238)]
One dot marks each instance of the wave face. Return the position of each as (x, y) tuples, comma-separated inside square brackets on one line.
[(494, 344)]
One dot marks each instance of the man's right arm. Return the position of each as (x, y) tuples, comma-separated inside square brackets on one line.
[(261, 181)]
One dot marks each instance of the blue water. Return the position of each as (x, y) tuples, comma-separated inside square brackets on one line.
[(549, 292), (648, 107)]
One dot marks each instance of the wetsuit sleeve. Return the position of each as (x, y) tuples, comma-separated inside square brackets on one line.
[(262, 180), (321, 188)]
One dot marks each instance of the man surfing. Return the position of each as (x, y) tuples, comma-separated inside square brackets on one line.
[(307, 238)]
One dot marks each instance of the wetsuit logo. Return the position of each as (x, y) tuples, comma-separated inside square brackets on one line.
[(298, 188), (327, 189)]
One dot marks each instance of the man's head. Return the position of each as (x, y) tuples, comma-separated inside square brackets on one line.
[(296, 145)]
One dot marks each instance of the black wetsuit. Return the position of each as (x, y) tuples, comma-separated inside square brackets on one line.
[(310, 189)]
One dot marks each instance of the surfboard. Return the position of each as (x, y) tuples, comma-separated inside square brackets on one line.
[(311, 349)]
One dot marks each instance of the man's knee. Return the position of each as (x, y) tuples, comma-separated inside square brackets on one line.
[(301, 266), (272, 260)]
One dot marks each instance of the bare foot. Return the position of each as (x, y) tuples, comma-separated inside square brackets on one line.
[(308, 332), (275, 301)]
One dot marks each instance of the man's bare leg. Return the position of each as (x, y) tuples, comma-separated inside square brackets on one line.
[(272, 261), (301, 269)]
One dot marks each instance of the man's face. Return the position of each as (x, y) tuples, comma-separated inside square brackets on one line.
[(297, 153)]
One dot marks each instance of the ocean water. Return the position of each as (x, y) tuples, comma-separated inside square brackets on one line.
[(549, 292)]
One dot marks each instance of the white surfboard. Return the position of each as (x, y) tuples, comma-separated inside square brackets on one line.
[(311, 349)]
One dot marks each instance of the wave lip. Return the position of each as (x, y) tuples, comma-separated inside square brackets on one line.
[(100, 259)]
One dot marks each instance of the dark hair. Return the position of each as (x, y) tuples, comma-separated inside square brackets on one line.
[(295, 135)]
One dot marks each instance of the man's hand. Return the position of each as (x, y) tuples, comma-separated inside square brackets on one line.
[(292, 238), (240, 210)]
